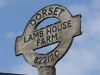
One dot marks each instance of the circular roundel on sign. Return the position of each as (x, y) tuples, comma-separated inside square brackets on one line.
[(62, 31)]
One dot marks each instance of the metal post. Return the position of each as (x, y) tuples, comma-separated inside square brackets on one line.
[(48, 70)]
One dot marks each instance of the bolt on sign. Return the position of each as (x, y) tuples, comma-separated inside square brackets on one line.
[(62, 32)]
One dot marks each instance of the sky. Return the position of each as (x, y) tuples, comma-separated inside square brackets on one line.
[(83, 56)]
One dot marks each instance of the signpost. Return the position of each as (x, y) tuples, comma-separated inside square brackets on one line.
[(62, 32)]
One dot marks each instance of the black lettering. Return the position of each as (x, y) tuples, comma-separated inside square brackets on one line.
[(38, 16), (65, 25), (42, 41), (56, 53), (56, 11), (36, 60), (45, 60), (48, 30), (35, 34), (54, 37), (54, 28), (50, 11), (40, 60), (33, 22), (30, 37), (62, 10), (69, 23), (52, 57), (44, 12), (59, 27), (48, 59), (41, 33), (48, 39), (38, 41)]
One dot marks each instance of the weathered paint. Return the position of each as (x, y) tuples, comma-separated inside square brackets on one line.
[(62, 32)]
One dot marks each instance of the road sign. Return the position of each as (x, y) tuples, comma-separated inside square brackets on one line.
[(62, 32)]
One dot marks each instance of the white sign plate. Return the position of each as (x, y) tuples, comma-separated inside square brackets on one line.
[(62, 32)]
